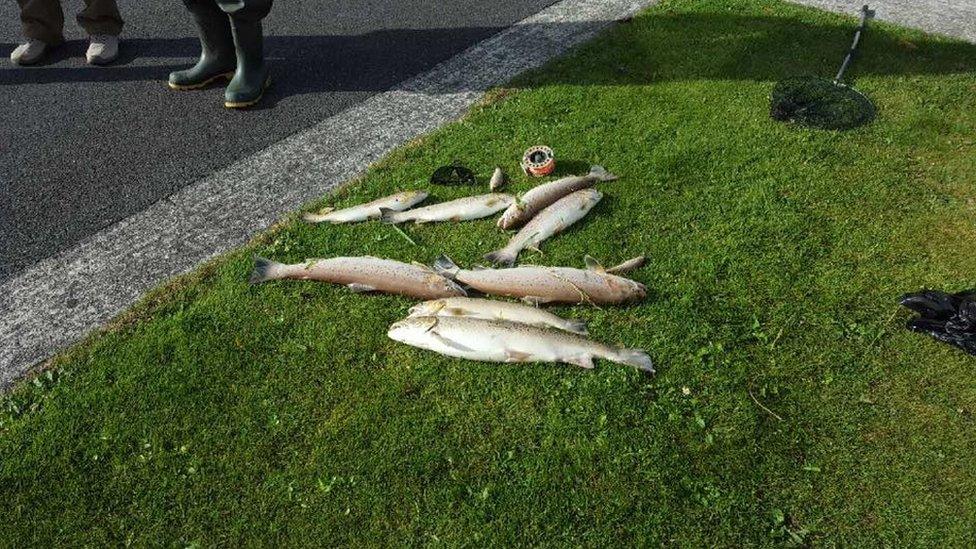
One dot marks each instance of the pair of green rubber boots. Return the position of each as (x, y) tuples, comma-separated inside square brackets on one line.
[(232, 47)]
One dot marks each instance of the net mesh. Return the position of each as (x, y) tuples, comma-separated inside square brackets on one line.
[(820, 103)]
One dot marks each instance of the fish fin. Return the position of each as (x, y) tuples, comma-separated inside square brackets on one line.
[(593, 265), (535, 249), (535, 300), (446, 267), (480, 268), (387, 216), (433, 324), (420, 265), (629, 265), (360, 288), (577, 327), (633, 357), (583, 361), (516, 356), (262, 270), (602, 174), (502, 257)]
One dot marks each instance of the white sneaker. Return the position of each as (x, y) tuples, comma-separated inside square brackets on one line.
[(29, 52), (103, 49)]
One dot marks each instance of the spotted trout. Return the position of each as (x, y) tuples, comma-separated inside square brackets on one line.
[(491, 309), (502, 341), (371, 210), (541, 285), (543, 196), (550, 221), (462, 209), (362, 274)]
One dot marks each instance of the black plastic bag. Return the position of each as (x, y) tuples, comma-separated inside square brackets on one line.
[(949, 318)]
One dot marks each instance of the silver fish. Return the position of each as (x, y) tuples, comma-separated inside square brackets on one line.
[(542, 196), (371, 210), (362, 274), (540, 285), (490, 309), (498, 180), (500, 341), (462, 209), (550, 221)]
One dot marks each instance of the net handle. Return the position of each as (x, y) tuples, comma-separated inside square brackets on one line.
[(866, 14)]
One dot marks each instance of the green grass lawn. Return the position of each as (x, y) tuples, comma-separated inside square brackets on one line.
[(790, 404)]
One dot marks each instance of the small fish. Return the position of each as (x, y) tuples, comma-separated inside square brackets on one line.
[(500, 341), (542, 196), (496, 310), (550, 221), (462, 209), (362, 274), (371, 210), (540, 285), (498, 180), (631, 264)]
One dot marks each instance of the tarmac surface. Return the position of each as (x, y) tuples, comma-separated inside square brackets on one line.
[(84, 147)]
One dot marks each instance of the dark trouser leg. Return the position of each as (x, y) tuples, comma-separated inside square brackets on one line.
[(251, 78), (217, 56), (101, 17), (42, 20)]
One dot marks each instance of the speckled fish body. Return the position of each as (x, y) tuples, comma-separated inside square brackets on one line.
[(371, 210), (489, 309), (502, 341), (543, 196), (363, 274), (550, 221), (540, 285), (462, 209)]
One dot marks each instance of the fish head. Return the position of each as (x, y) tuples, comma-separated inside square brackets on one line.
[(413, 330), (410, 196)]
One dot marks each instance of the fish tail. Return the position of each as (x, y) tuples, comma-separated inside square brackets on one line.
[(502, 257), (318, 216), (602, 174), (263, 270), (577, 327), (387, 215), (446, 267), (634, 357)]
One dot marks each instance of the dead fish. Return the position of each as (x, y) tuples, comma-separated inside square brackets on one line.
[(501, 341), (498, 180), (462, 209), (631, 264), (362, 274), (539, 285), (550, 221), (371, 210), (489, 309), (544, 195)]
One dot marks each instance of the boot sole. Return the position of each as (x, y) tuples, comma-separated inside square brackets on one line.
[(204, 84), (246, 104)]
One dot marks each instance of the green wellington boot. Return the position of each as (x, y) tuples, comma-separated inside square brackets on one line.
[(217, 57), (252, 78)]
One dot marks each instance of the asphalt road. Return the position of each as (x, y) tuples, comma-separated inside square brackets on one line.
[(83, 147)]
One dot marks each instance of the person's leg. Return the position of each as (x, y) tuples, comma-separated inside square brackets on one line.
[(42, 20), (217, 57), (42, 23), (251, 78), (103, 23), (101, 17)]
